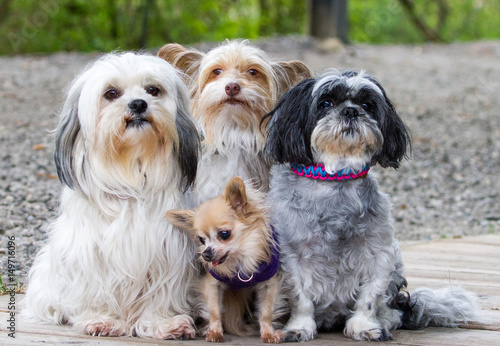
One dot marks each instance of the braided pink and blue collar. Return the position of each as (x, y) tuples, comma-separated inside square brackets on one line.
[(318, 172)]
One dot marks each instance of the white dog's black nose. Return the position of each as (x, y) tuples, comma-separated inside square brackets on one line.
[(350, 112), (138, 106)]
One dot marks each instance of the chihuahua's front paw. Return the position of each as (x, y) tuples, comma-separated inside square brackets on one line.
[(359, 327), (214, 335), (275, 337)]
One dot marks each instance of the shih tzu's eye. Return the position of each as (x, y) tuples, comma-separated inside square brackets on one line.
[(325, 104), (224, 235), (202, 241), (253, 72), (153, 91), (217, 71), (111, 94), (367, 106)]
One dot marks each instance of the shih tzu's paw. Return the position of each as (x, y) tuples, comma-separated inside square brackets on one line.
[(359, 327)]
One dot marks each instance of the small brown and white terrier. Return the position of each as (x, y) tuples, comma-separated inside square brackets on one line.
[(232, 87), (240, 254)]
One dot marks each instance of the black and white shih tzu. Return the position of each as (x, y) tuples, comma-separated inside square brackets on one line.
[(342, 264), (126, 150)]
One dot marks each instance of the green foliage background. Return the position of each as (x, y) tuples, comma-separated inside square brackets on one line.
[(28, 26)]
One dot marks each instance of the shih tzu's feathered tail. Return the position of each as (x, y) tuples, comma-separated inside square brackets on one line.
[(445, 307)]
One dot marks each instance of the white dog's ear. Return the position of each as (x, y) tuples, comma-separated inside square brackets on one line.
[(183, 218), (66, 135), (188, 151)]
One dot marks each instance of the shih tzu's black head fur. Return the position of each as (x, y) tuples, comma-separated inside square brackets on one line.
[(341, 114)]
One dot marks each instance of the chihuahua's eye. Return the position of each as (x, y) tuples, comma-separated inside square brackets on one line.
[(153, 91), (201, 240), (253, 72), (111, 94), (325, 104), (217, 71), (224, 235)]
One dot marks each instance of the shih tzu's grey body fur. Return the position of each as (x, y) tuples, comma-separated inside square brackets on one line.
[(341, 262)]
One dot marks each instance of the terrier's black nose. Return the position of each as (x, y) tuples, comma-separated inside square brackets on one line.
[(208, 254), (232, 89), (350, 112), (138, 106)]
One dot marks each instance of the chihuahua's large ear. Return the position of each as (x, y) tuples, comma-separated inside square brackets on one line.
[(183, 218), (290, 73), (290, 126), (397, 137), (236, 195), (188, 61)]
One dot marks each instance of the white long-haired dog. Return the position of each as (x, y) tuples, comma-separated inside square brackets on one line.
[(341, 263), (126, 149), (232, 87)]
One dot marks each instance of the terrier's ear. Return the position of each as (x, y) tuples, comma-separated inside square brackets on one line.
[(186, 60), (236, 195), (183, 218), (290, 73)]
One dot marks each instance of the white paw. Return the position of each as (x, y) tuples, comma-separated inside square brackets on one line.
[(300, 329), (361, 327), (105, 328), (180, 327)]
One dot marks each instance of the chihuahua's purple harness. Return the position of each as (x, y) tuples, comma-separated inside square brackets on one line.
[(264, 272)]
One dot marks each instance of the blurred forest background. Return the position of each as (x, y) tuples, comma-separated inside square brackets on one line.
[(28, 26)]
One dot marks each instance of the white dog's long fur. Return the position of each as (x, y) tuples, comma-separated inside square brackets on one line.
[(113, 264)]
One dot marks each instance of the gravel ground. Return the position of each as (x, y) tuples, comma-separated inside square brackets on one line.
[(447, 95)]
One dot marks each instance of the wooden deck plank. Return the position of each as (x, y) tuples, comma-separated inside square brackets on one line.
[(470, 262)]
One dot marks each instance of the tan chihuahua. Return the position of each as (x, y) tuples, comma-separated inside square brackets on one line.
[(240, 254)]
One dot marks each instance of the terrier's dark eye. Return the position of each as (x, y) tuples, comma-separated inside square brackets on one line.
[(111, 94), (153, 91), (217, 71), (201, 240), (325, 104), (224, 235), (253, 72)]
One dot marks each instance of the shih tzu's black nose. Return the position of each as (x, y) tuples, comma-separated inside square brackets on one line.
[(208, 254), (350, 112), (138, 106)]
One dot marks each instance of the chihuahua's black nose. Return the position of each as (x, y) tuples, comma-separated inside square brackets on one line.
[(138, 106), (350, 112), (208, 254)]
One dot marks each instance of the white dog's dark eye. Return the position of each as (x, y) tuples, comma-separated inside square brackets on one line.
[(201, 240), (217, 71), (224, 235), (111, 94), (153, 91), (253, 72), (325, 104)]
